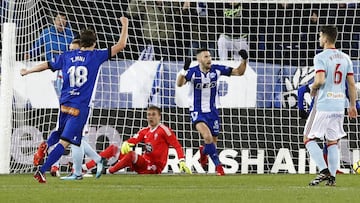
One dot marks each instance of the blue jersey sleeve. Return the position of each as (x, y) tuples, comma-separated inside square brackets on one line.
[(57, 63), (103, 54), (224, 70)]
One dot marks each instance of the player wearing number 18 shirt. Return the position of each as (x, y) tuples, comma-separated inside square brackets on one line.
[(332, 69), (80, 70)]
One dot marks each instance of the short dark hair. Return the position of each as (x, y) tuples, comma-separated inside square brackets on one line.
[(154, 108), (198, 51), (330, 31), (87, 38), (76, 41)]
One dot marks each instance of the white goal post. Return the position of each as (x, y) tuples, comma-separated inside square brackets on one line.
[(261, 131)]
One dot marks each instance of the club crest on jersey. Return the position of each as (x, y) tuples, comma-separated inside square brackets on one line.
[(212, 75)]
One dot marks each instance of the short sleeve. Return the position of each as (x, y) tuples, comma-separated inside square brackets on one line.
[(350, 68), (103, 54), (57, 62), (224, 70), (319, 64)]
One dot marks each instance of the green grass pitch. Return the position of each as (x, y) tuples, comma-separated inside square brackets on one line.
[(179, 188)]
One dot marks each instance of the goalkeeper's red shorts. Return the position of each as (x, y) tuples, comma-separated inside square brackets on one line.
[(144, 166)]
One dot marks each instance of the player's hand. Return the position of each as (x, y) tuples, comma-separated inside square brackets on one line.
[(187, 63), (126, 147), (303, 114), (124, 20), (186, 66), (352, 112), (184, 168), (243, 53), (23, 72), (313, 92)]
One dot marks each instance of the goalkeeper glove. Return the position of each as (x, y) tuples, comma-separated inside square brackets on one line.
[(184, 168), (126, 147), (243, 54)]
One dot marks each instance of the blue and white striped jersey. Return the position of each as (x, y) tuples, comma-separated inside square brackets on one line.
[(203, 93)]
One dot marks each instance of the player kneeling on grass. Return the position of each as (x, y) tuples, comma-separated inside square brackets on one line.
[(157, 139)]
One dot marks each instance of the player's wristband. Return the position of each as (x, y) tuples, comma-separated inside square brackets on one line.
[(182, 159), (183, 72)]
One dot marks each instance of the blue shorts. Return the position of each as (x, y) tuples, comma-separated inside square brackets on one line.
[(211, 119), (71, 125)]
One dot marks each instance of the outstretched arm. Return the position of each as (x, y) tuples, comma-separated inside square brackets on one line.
[(121, 44), (38, 68)]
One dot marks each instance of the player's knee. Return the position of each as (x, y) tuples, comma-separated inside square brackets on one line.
[(307, 140), (330, 143)]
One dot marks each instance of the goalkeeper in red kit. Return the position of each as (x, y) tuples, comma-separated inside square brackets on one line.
[(157, 139)]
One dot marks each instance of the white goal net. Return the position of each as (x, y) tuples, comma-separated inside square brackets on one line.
[(261, 131)]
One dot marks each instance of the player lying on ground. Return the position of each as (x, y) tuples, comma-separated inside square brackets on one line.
[(157, 138)]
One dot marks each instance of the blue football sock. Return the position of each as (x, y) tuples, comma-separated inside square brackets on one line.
[(53, 138), (54, 155), (333, 159), (316, 154), (210, 149)]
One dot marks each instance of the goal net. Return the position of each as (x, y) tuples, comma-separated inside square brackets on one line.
[(261, 131)]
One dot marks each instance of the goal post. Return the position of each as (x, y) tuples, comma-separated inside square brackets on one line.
[(261, 131), (7, 73)]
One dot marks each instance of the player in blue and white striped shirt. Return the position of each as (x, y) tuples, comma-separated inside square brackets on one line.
[(203, 95), (326, 118)]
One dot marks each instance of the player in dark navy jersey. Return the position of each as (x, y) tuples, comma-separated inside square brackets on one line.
[(80, 70), (203, 95)]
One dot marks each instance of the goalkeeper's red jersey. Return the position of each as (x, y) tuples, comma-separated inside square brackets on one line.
[(157, 142)]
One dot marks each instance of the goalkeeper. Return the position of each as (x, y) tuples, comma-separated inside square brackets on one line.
[(157, 139)]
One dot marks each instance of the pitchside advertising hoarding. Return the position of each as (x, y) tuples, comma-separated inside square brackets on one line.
[(269, 143)]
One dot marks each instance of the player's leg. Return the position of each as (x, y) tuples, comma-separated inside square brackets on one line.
[(43, 147), (127, 160), (240, 43), (90, 152), (223, 46), (315, 128), (109, 152), (54, 155), (333, 161), (334, 133), (209, 148)]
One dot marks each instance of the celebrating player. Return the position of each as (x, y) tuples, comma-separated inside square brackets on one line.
[(157, 139), (204, 96), (80, 69), (327, 115)]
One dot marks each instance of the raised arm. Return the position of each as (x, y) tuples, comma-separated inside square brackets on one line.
[(240, 70), (180, 81), (121, 44), (38, 68)]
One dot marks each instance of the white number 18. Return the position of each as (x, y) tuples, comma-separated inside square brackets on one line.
[(77, 75)]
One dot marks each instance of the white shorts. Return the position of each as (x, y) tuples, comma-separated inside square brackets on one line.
[(328, 124)]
